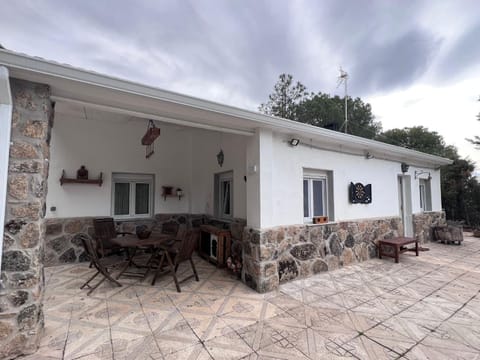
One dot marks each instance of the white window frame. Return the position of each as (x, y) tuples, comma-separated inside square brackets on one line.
[(223, 177), (133, 179), (310, 177)]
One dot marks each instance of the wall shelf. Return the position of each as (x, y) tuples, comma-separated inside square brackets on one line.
[(66, 180), (168, 191)]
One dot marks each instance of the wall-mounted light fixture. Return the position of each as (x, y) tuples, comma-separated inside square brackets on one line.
[(368, 155), (220, 157), (294, 142), (421, 172), (404, 167)]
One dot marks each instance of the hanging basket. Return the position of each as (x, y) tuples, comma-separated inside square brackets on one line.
[(152, 133)]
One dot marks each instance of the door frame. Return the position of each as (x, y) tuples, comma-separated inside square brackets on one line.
[(405, 203)]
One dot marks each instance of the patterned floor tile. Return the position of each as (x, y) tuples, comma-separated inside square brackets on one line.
[(422, 308)]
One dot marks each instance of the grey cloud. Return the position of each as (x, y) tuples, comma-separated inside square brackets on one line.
[(242, 46), (462, 55), (397, 63)]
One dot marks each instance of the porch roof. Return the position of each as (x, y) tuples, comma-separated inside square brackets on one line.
[(108, 93)]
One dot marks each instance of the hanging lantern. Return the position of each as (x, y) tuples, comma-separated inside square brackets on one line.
[(220, 158), (149, 138)]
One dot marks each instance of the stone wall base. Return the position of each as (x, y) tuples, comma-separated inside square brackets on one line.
[(423, 224), (280, 254), (63, 246)]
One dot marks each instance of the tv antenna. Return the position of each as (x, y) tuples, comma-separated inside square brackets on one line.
[(343, 78)]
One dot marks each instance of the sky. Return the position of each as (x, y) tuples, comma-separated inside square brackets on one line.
[(415, 62)]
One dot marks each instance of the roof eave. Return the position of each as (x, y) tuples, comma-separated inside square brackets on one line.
[(19, 63)]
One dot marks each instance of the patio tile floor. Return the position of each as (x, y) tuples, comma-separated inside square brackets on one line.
[(425, 307)]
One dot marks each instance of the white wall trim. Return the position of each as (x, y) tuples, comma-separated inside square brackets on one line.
[(6, 107)]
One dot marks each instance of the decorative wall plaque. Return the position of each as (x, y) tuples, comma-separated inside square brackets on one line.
[(360, 194)]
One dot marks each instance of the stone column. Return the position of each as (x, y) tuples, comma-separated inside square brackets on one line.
[(21, 298)]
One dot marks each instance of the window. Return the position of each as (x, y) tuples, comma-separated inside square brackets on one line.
[(132, 195), (425, 195), (317, 194), (224, 195)]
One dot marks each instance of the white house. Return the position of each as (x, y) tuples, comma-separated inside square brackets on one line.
[(236, 168)]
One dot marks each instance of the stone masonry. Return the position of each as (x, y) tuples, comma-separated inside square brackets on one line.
[(280, 254), (63, 246), (21, 297), (423, 224)]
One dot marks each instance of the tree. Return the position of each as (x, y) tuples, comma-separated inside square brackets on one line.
[(291, 101), (285, 98), (328, 112), (416, 138), (476, 140)]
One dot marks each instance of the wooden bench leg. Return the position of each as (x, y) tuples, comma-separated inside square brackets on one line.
[(416, 248), (397, 253)]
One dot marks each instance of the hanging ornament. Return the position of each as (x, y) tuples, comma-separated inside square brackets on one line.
[(149, 138)]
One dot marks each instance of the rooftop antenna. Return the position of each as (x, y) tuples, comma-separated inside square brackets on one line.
[(343, 77)]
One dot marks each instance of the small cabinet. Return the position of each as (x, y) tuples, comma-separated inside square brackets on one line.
[(214, 244)]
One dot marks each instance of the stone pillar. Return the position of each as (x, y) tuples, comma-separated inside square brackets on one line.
[(21, 315)]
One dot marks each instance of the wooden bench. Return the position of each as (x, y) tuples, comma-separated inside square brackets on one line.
[(397, 244)]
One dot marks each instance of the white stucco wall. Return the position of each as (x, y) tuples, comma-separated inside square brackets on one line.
[(184, 157), (287, 171), (205, 147)]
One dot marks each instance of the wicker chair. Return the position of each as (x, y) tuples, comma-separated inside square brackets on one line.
[(175, 254)]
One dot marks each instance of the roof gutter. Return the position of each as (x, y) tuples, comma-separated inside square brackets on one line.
[(67, 72), (6, 107)]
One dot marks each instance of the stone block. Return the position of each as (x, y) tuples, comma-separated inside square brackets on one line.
[(68, 256), (334, 245), (39, 188), (266, 285), (54, 229), (304, 251), (22, 280), (348, 256), (18, 298), (73, 226), (35, 129), (319, 266), (23, 150), (6, 329), (58, 244), (332, 262), (8, 241), (27, 317), (30, 211), (266, 252), (18, 187), (15, 260), (305, 268), (349, 241), (287, 269), (269, 269), (30, 236), (26, 166)]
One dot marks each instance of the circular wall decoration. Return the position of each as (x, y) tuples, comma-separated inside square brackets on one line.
[(360, 194)]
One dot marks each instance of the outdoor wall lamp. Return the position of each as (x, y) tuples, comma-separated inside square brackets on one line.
[(421, 172), (404, 167), (294, 142)]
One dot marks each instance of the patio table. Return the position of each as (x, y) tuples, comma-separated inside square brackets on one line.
[(397, 245), (133, 243)]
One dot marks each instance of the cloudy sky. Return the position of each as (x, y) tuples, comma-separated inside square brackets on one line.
[(416, 62)]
